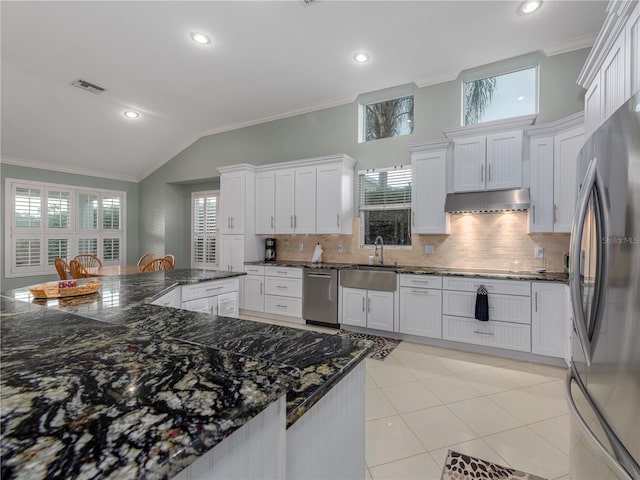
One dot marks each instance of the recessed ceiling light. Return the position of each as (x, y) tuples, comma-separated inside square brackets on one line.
[(200, 38), (529, 6), (361, 57), (131, 114)]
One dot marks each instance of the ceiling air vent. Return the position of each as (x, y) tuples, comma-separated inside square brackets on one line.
[(87, 86)]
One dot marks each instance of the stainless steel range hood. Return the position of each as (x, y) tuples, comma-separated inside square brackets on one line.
[(491, 201)]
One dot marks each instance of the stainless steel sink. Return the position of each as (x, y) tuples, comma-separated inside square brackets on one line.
[(370, 277)]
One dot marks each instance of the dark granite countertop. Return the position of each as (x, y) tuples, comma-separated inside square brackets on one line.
[(65, 372), (458, 272)]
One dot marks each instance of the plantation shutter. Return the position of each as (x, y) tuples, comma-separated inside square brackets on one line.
[(204, 229)]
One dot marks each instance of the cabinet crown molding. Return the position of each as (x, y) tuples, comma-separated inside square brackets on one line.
[(617, 13), (239, 167), (309, 162), (551, 128), (496, 126), (429, 146)]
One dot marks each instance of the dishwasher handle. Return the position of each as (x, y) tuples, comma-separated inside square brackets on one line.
[(319, 275)]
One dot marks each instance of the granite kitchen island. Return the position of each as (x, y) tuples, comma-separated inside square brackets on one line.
[(112, 385)]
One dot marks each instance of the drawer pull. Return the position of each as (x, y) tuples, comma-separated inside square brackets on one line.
[(282, 271), (421, 292), (281, 306), (214, 288), (482, 333), (281, 286), (478, 285)]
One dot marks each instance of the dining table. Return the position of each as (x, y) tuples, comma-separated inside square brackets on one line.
[(110, 270)]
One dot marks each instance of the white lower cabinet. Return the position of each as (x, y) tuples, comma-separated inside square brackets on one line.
[(421, 305), (512, 336), (367, 308), (548, 319), (253, 293), (283, 291), (217, 297), (169, 299)]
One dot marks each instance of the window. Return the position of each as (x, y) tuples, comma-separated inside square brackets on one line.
[(385, 206), (76, 221), (390, 118), (204, 214), (500, 96)]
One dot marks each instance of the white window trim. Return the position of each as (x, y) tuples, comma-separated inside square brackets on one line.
[(44, 233), (194, 195), (378, 96)]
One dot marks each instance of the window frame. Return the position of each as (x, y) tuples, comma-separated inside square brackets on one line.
[(72, 233), (513, 65), (406, 169), (380, 96), (216, 236)]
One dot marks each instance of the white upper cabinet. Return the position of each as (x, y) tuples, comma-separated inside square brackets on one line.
[(306, 196), (232, 202), (488, 156), (334, 206), (611, 73), (429, 187), (265, 203), (553, 152)]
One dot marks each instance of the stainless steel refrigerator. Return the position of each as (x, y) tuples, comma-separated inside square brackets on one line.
[(603, 383)]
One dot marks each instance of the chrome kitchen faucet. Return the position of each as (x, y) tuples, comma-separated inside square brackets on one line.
[(375, 254)]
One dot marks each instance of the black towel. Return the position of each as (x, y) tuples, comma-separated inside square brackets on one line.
[(482, 304)]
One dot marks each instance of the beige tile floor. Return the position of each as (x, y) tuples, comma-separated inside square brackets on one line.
[(423, 401)]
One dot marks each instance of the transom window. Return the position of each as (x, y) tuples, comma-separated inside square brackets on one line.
[(204, 229), (390, 118), (500, 96), (385, 206), (46, 221)]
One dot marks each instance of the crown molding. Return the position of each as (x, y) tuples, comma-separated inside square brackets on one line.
[(571, 45), (495, 126), (429, 146), (551, 128), (90, 172)]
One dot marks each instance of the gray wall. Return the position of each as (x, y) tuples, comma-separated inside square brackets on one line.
[(40, 175), (325, 132)]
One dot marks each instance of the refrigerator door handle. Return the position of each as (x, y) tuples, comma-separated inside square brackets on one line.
[(613, 462), (575, 252)]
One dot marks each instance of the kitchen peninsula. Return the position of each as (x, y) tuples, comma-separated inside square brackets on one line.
[(110, 384)]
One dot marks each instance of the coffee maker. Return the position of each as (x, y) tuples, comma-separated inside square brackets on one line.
[(270, 250)]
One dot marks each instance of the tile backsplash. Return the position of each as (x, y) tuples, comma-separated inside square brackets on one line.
[(493, 241)]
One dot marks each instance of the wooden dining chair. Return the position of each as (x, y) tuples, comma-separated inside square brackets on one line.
[(158, 264), (144, 259), (172, 258), (77, 269), (62, 267), (88, 261)]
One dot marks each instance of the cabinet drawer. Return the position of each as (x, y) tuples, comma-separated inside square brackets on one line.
[(208, 289), (287, 287), (512, 336), (254, 269), (283, 272), (505, 308), (421, 281), (288, 306), (506, 287)]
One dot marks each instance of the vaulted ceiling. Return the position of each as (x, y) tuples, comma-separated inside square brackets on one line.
[(267, 59)]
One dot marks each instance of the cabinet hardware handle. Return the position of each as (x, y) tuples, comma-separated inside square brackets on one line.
[(281, 306), (482, 333), (338, 220), (478, 285), (555, 213), (536, 301), (295, 221), (413, 218), (368, 304), (282, 271), (272, 221), (363, 304), (229, 223), (421, 292), (281, 286), (420, 281), (214, 288), (489, 179), (534, 214), (291, 221), (481, 173), (231, 218)]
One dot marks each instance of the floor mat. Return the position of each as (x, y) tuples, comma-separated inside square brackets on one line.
[(464, 467), (383, 346)]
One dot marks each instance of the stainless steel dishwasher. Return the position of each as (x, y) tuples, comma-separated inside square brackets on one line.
[(320, 296)]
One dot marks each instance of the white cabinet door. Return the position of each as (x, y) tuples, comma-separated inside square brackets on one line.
[(469, 155), (592, 107), (232, 202), (566, 148), (231, 253), (265, 203), (329, 199), (170, 299), (541, 211), (421, 312), (504, 160), (548, 319), (354, 307), (428, 192), (380, 310), (632, 46), (304, 219), (253, 293), (285, 181), (612, 78), (202, 305)]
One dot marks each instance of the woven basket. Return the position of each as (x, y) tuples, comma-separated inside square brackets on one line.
[(52, 290)]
